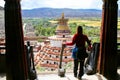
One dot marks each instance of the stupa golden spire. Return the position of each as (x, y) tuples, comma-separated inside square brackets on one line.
[(62, 28)]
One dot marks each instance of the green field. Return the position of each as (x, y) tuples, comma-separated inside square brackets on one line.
[(47, 27), (93, 23), (86, 22)]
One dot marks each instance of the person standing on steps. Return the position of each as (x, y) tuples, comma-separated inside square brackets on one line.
[(79, 39)]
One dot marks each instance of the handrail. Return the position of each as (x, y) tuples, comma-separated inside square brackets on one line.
[(4, 47)]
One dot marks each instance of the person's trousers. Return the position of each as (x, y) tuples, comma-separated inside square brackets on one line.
[(78, 64)]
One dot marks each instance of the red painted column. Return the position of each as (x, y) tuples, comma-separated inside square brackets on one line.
[(15, 69), (108, 39)]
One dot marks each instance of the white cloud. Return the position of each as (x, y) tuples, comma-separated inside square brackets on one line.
[(69, 3), (84, 4), (28, 4)]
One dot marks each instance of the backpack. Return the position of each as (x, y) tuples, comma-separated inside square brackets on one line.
[(79, 53)]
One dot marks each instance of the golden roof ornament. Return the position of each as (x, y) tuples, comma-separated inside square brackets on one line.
[(62, 28)]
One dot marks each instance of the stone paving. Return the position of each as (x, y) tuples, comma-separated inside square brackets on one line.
[(69, 76)]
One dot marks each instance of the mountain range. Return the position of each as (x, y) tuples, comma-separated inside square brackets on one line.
[(56, 12)]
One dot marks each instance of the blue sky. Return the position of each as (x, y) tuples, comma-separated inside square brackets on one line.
[(75, 4)]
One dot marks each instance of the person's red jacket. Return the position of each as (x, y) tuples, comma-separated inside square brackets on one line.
[(79, 40)]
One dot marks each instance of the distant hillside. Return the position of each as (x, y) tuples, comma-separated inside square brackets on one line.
[(55, 12)]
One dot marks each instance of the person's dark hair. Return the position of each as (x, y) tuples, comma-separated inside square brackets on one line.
[(79, 30)]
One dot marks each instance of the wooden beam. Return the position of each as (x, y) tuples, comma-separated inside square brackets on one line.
[(14, 41), (108, 40)]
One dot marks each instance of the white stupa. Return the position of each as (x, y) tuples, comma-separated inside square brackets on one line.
[(49, 54), (62, 33)]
